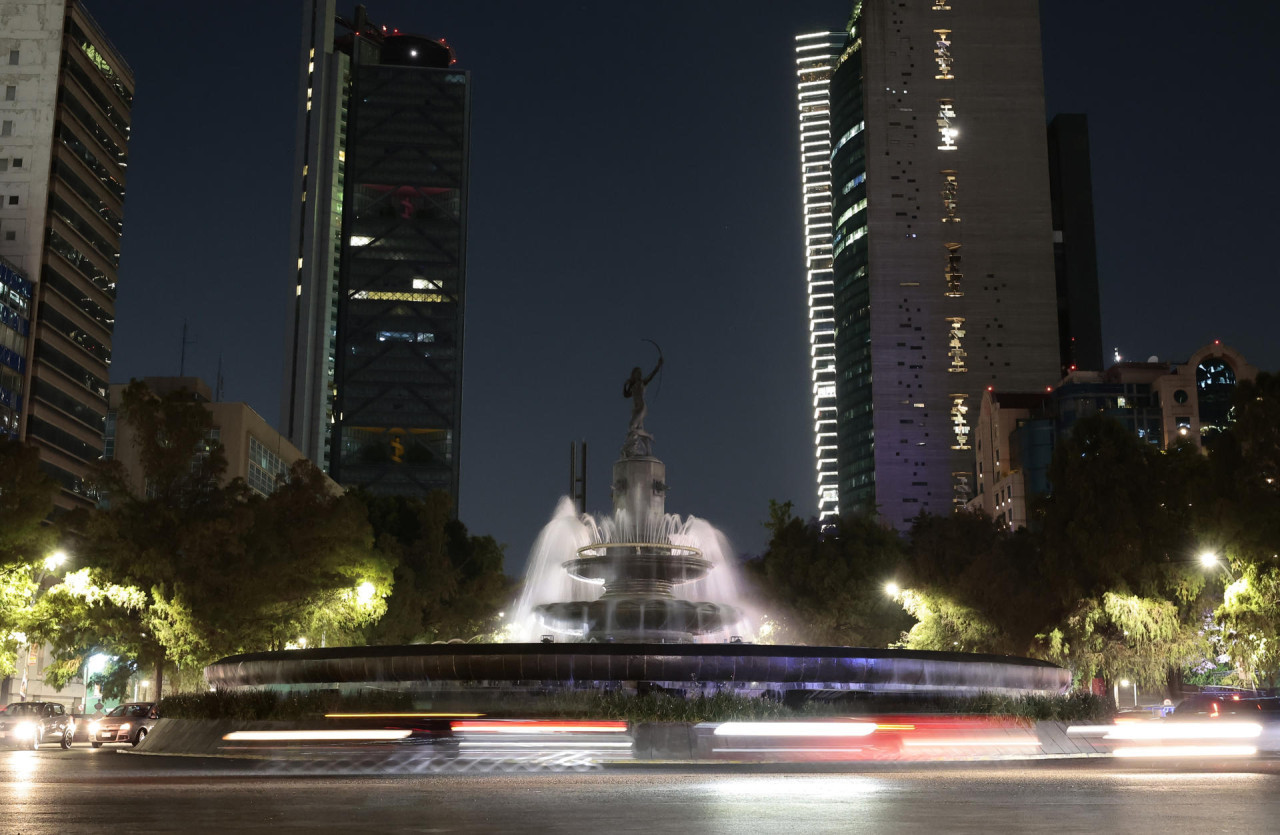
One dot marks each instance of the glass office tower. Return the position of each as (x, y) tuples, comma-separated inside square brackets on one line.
[(374, 363)]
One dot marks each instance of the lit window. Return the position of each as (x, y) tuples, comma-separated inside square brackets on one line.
[(952, 273), (950, 197), (947, 132), (959, 421), (942, 53), (955, 345), (361, 240)]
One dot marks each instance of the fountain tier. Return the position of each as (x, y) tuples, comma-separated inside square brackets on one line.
[(640, 569)]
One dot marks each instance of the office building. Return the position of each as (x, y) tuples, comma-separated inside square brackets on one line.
[(255, 452), (942, 274), (1075, 257), (373, 377), (1160, 402), (816, 57), (64, 136)]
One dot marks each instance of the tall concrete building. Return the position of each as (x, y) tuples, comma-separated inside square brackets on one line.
[(373, 377), (64, 135), (941, 255)]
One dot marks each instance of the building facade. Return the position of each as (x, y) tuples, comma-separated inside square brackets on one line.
[(816, 57), (1163, 403), (1075, 257), (64, 135), (16, 299), (373, 377), (255, 451), (942, 263)]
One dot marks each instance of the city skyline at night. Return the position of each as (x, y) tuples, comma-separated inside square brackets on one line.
[(588, 185)]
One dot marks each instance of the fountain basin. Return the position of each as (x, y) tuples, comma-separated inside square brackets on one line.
[(747, 668)]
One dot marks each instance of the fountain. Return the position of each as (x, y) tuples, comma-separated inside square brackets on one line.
[(632, 567), (640, 598)]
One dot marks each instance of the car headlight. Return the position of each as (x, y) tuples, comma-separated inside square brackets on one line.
[(25, 730), (125, 726), (93, 728)]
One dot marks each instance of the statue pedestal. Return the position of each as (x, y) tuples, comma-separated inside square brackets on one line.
[(640, 490)]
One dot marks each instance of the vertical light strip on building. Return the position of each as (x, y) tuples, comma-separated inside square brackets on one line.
[(816, 57), (961, 489)]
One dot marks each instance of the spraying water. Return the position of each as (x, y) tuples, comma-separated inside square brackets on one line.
[(556, 596)]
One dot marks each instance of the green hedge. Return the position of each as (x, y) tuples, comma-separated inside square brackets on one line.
[(270, 704), (651, 707)]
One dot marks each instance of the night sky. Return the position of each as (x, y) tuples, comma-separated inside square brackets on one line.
[(635, 176)]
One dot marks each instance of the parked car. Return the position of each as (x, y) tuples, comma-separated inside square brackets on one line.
[(32, 724), (125, 723)]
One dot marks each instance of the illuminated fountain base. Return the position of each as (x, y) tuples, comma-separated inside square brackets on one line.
[(747, 669)]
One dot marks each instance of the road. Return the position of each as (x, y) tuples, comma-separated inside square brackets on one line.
[(81, 790)]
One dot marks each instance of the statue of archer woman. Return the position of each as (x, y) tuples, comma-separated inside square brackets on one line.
[(637, 443)]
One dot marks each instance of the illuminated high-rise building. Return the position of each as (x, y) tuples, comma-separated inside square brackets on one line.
[(816, 56), (65, 100), (373, 377), (942, 264)]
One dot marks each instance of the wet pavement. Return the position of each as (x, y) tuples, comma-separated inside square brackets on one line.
[(82, 790)]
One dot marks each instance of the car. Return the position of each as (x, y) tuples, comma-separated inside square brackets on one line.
[(32, 724), (128, 722)]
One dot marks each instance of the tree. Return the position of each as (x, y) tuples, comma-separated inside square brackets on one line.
[(1250, 619), (826, 584), (974, 586), (26, 500), (1126, 636), (448, 583), (216, 568), (26, 539)]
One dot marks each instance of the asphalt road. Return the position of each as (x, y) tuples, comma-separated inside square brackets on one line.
[(102, 791)]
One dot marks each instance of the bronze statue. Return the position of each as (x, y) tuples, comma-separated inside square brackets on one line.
[(638, 441)]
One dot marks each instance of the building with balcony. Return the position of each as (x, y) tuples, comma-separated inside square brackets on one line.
[(65, 100)]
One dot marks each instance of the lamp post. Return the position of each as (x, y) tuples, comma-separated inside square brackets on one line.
[(50, 564)]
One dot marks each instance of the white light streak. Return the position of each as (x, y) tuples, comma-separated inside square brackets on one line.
[(1170, 751), (818, 729), (316, 736)]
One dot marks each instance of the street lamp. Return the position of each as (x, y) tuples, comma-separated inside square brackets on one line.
[(54, 560), (364, 591), (1209, 559), (1124, 682), (891, 588)]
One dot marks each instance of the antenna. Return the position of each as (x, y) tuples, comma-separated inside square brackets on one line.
[(217, 382), (182, 355), (578, 476)]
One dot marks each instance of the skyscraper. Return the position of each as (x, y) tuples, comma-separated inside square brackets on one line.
[(64, 135), (1075, 257), (942, 261), (816, 57), (373, 377)]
